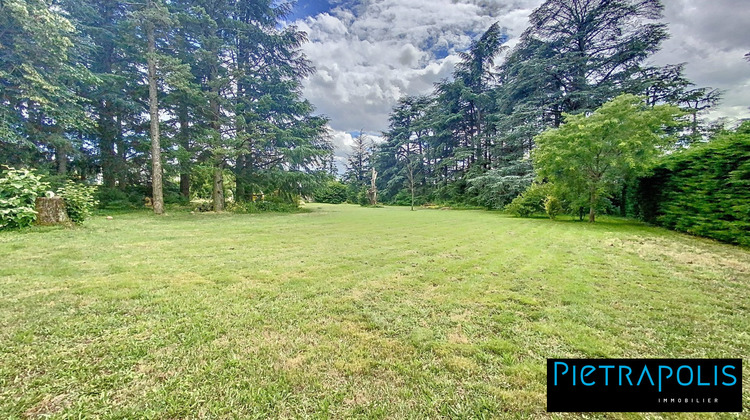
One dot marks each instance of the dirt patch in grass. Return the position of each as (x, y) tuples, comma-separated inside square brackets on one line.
[(49, 406)]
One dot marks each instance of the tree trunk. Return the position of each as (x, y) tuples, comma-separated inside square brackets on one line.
[(51, 211), (156, 170), (122, 156), (185, 186), (62, 160), (240, 193), (592, 205), (412, 196), (106, 125), (373, 188), (218, 193), (184, 162)]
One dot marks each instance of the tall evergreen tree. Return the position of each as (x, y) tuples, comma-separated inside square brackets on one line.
[(39, 103)]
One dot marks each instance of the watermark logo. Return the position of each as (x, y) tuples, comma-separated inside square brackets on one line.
[(644, 385)]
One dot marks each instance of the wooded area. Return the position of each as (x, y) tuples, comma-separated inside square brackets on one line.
[(173, 100), (111, 91), (470, 138)]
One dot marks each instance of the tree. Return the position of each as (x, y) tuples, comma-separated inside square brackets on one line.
[(39, 104), (409, 159), (590, 156), (585, 52), (406, 138), (358, 162), (152, 14)]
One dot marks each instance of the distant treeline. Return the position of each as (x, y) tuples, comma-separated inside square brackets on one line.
[(468, 140)]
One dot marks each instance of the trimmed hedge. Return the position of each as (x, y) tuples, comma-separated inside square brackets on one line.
[(703, 190)]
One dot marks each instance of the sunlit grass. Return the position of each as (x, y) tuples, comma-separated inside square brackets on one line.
[(347, 311)]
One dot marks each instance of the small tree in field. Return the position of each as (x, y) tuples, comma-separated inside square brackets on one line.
[(590, 156)]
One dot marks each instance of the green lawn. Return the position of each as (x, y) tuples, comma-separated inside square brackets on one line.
[(347, 311)]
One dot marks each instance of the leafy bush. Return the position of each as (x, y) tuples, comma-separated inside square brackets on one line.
[(363, 198), (202, 182), (79, 200), (332, 192), (19, 189), (172, 195), (262, 207), (703, 190), (552, 206), (531, 201), (114, 198), (403, 198)]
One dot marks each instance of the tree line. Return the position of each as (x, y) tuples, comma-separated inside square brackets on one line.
[(469, 141), (133, 91)]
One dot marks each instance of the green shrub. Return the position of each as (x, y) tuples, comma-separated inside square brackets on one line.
[(113, 198), (403, 198), (552, 206), (19, 189), (79, 200), (332, 192), (262, 207), (703, 190), (531, 201), (363, 198)]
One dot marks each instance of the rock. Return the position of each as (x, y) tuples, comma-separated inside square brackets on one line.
[(51, 211)]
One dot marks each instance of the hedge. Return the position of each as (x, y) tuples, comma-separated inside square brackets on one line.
[(703, 190)]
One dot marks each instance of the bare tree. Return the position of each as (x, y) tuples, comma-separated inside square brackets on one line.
[(373, 191)]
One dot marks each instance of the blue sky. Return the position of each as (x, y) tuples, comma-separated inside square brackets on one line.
[(304, 9), (369, 53)]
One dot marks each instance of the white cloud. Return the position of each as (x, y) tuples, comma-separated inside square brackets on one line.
[(711, 37)]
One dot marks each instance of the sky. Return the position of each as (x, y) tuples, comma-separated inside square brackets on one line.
[(369, 53)]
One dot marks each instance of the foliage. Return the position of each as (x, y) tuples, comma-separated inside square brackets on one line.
[(590, 157), (271, 206), (703, 190), (333, 192), (552, 206), (79, 200), (496, 188), (19, 189), (358, 162), (38, 99), (403, 198), (576, 55), (363, 198), (115, 198), (202, 180), (531, 201), (74, 94)]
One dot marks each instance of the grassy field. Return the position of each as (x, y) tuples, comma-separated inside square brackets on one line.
[(347, 311)]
